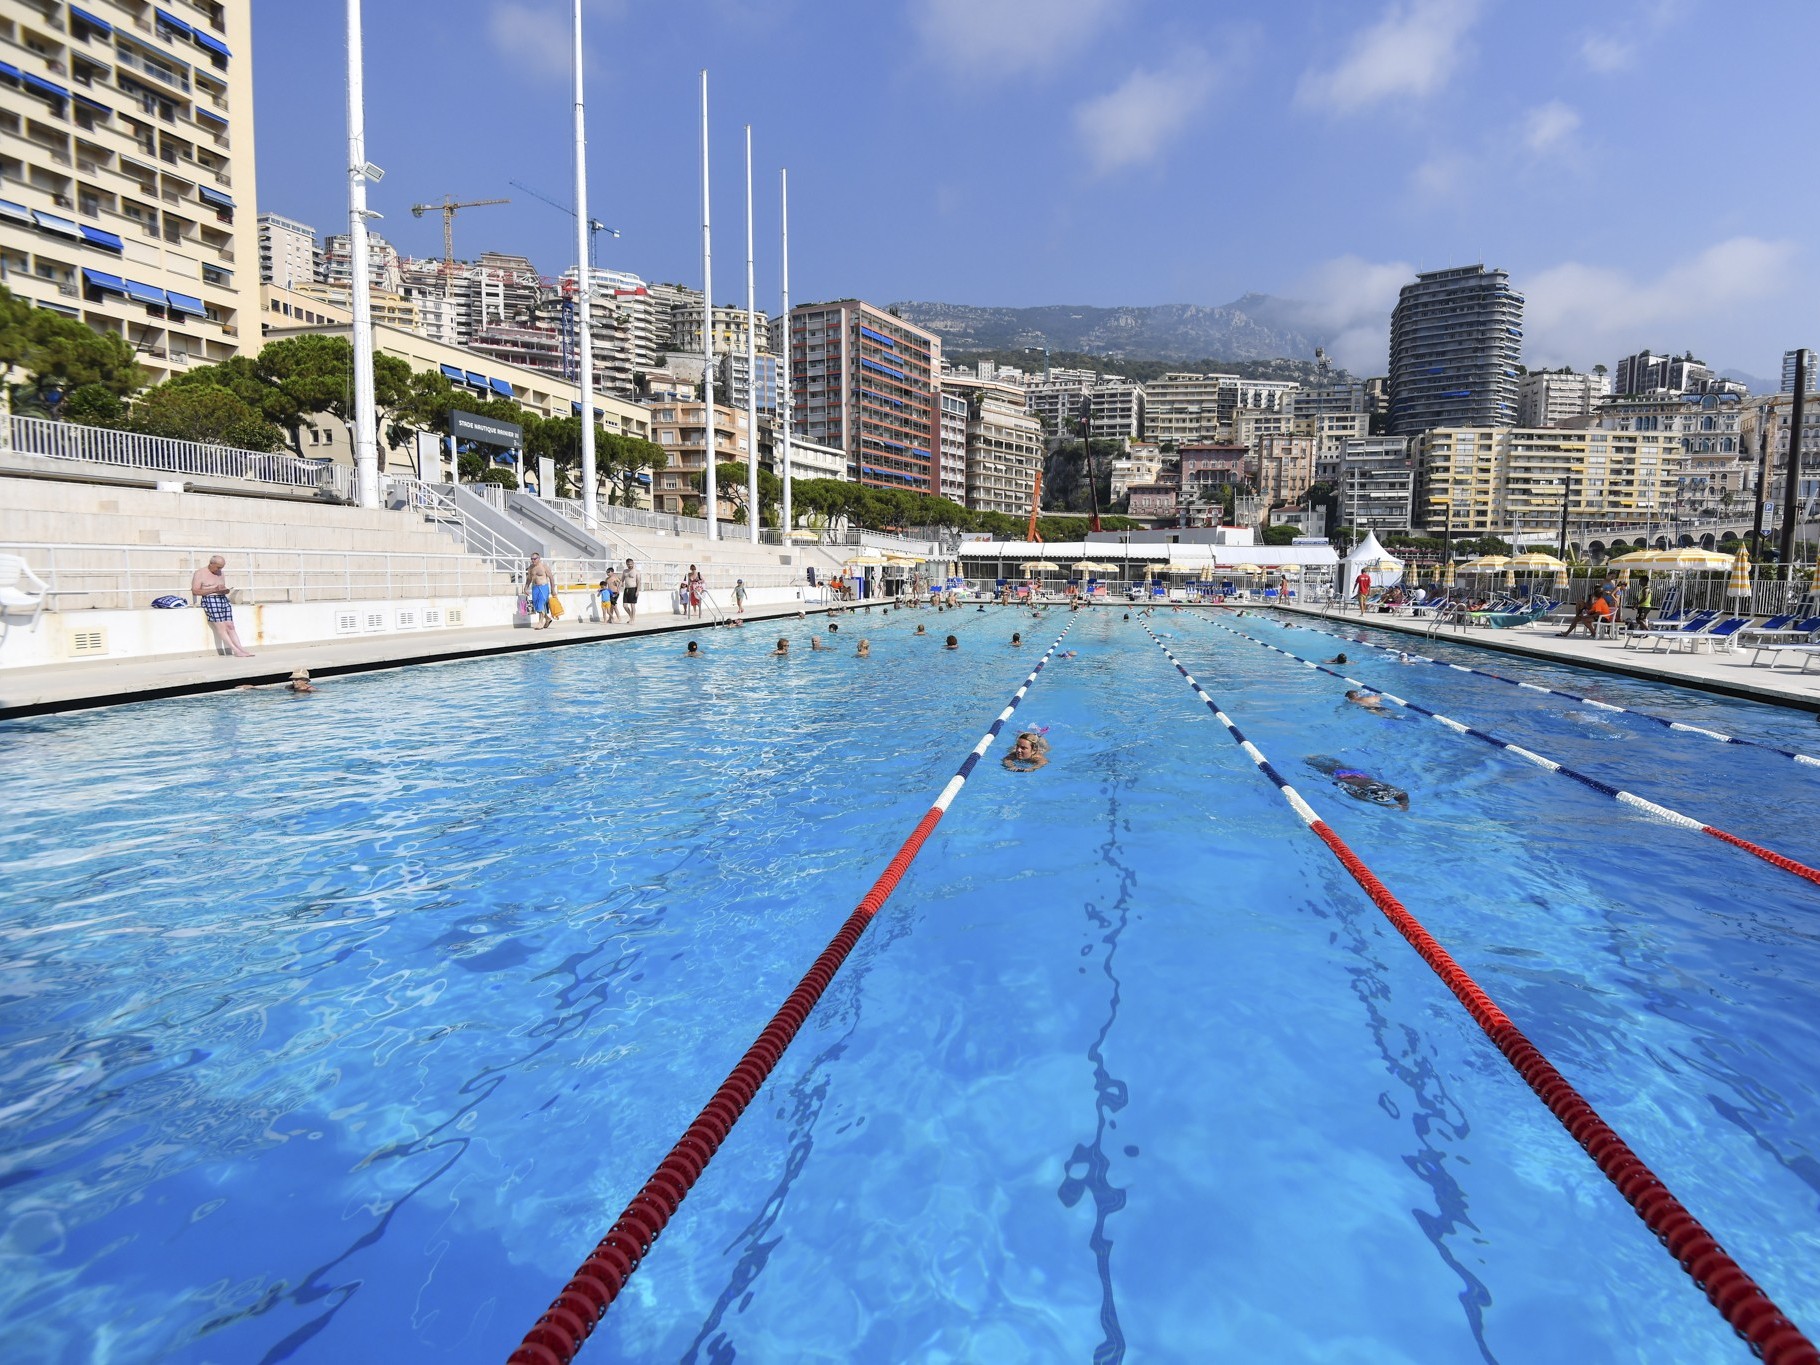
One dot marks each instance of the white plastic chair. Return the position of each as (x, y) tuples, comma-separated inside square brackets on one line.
[(13, 597)]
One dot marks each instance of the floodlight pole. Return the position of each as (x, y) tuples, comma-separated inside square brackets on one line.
[(366, 440), (584, 298)]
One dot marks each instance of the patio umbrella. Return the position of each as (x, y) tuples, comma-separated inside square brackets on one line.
[(1092, 565), (868, 557), (1561, 576), (1687, 559), (1035, 566), (1247, 568), (1813, 583), (1535, 559), (1740, 580), (1447, 575), (1485, 564)]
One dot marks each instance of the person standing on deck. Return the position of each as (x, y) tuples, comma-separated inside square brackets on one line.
[(1361, 587), (628, 591), (538, 586), (208, 585)]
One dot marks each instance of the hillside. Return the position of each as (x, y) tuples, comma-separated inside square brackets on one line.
[(1249, 329), (1305, 372)]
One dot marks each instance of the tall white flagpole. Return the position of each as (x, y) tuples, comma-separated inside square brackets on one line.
[(584, 300), (712, 501), (366, 439), (752, 517), (783, 180)]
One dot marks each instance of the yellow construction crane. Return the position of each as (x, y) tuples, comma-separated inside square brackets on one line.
[(448, 206)]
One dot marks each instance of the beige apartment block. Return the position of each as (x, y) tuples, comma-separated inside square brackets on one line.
[(1505, 480), (127, 173), (1183, 409), (682, 430), (1004, 444)]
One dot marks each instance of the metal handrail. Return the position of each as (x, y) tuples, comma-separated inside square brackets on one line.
[(437, 503), (101, 445)]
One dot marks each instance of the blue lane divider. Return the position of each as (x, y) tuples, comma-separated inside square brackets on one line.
[(1661, 812), (1663, 721)]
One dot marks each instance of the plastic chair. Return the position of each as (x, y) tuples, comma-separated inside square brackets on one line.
[(13, 597)]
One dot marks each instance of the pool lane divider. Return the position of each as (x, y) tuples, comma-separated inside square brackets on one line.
[(1679, 725), (1648, 807), (1739, 1299), (555, 1337)]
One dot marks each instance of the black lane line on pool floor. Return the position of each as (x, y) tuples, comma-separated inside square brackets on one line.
[(1739, 1299), (565, 1326), (1680, 726), (1666, 814)]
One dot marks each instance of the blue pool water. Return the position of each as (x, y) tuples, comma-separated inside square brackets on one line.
[(339, 1028)]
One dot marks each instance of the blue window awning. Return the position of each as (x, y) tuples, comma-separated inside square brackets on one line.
[(879, 337), (479, 381), (50, 222), (451, 372), (96, 105), (91, 20), (210, 115), (186, 303), (212, 44), (502, 388), (100, 279), (10, 71), (97, 237), (145, 293), (17, 212), (175, 22), (42, 86), (215, 197), (642, 478)]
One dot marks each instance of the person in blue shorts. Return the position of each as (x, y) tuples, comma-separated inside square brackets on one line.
[(537, 589)]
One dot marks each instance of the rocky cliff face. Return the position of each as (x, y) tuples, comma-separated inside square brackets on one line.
[(1252, 328)]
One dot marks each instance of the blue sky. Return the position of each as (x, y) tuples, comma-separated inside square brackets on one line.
[(1621, 160)]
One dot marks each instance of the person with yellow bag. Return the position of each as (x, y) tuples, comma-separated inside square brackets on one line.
[(540, 592)]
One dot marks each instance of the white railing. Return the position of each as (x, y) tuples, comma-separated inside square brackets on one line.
[(99, 445), (131, 576), (435, 503)]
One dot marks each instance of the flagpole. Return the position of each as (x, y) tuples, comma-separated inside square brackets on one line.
[(783, 181), (711, 505), (584, 300), (751, 361), (366, 439)]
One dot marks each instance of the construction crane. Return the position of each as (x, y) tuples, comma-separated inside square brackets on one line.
[(1036, 504), (595, 226), (449, 206)]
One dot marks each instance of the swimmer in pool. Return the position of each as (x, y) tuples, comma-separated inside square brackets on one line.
[(953, 643), (921, 631), (1338, 659), (693, 651), (1017, 640), (815, 644), (783, 649), (1361, 785), (1029, 752), (1371, 701), (864, 651)]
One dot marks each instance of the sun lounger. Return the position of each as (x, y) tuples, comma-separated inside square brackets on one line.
[(1694, 624), (1798, 636), (1723, 636)]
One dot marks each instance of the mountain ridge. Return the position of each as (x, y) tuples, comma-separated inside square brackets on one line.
[(1254, 327)]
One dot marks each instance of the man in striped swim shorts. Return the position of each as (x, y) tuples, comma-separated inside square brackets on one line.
[(212, 590)]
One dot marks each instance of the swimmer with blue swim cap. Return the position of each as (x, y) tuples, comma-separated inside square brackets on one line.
[(1360, 784)]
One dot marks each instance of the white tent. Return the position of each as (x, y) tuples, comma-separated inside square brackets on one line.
[(1368, 556)]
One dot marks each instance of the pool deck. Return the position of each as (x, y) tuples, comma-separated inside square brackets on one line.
[(1731, 675), (74, 687)]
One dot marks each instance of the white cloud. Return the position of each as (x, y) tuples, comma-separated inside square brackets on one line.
[(1410, 52), (1576, 311), (1440, 176), (1344, 305), (1604, 53), (1008, 37), (1549, 128), (1130, 125), (540, 37)]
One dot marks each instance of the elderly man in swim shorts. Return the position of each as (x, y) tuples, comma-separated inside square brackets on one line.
[(208, 585), (628, 591)]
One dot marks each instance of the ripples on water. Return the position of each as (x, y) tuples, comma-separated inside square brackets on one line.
[(340, 1027)]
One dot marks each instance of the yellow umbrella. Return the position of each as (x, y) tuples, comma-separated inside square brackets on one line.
[(1510, 578), (1030, 566), (1561, 576), (1740, 581), (1247, 568), (1447, 575), (866, 557), (1484, 564), (895, 558), (1092, 565), (1535, 559), (1686, 558), (1813, 583)]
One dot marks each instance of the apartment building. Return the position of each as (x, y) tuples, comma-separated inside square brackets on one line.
[(1331, 431), (1207, 469), (1118, 410), (1551, 398), (1376, 483), (1258, 395), (730, 328), (1003, 442), (1456, 343), (1283, 467), (126, 132), (385, 267), (865, 380), (289, 254), (1185, 408), (682, 430), (1646, 372), (1810, 370), (1513, 479), (1141, 464), (1334, 394), (808, 459), (953, 403)]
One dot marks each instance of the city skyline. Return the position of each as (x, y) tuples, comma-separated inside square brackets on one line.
[(1079, 151)]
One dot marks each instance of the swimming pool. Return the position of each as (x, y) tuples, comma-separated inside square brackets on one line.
[(340, 1027)]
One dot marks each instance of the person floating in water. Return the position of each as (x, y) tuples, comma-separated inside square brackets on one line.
[(1017, 640), (864, 651), (1029, 751), (1338, 659), (1359, 784), (815, 644), (782, 650), (953, 643), (693, 651), (921, 631), (1370, 700)]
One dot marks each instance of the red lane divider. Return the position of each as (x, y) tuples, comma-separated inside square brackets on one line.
[(1739, 1299), (556, 1336)]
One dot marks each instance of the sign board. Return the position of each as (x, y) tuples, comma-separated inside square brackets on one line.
[(1309, 540), (468, 426)]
